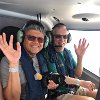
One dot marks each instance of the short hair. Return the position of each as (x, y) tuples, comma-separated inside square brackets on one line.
[(58, 25), (33, 24)]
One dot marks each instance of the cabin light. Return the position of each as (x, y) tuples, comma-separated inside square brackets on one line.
[(79, 3), (85, 19)]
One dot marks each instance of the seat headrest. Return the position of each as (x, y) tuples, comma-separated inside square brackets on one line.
[(10, 30)]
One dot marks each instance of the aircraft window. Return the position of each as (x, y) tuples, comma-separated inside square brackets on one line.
[(91, 59)]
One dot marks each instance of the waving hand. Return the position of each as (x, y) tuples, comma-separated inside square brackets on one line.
[(12, 55), (82, 46)]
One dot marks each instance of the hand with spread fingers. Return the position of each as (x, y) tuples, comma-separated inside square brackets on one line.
[(12, 55), (80, 51), (82, 46)]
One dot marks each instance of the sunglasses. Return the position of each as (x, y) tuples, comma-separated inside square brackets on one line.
[(33, 38), (60, 36)]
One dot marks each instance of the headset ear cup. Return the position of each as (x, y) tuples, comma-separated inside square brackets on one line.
[(20, 36), (46, 41), (50, 36), (69, 38)]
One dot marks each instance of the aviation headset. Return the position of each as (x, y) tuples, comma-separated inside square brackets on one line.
[(32, 24), (51, 36)]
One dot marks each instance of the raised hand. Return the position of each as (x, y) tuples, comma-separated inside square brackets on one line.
[(12, 55), (82, 46)]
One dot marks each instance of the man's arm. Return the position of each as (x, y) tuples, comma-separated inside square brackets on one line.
[(80, 51), (79, 68), (73, 81), (1, 93), (86, 84), (12, 90)]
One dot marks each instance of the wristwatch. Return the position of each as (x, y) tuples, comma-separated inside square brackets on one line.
[(16, 69), (77, 82)]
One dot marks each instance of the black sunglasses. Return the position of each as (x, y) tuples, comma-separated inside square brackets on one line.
[(33, 38), (60, 36)]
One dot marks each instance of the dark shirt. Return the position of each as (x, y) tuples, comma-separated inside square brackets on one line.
[(98, 93)]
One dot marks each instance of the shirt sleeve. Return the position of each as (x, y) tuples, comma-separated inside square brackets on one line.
[(4, 71)]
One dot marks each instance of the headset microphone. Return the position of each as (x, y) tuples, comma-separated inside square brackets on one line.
[(57, 46)]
